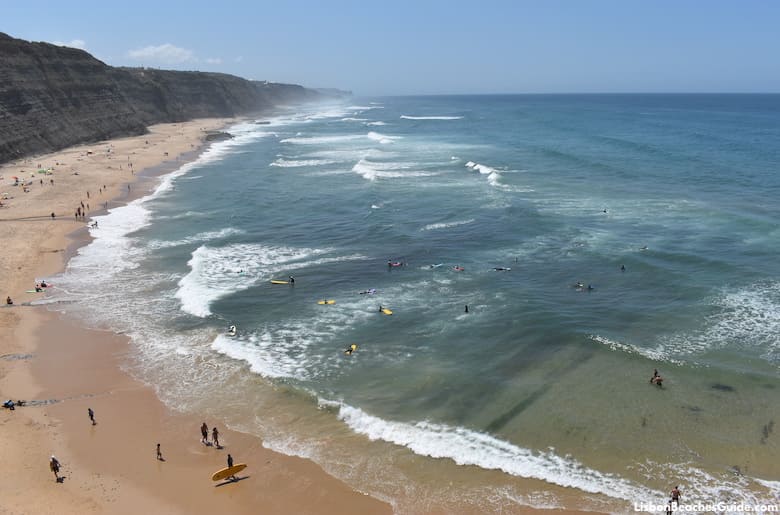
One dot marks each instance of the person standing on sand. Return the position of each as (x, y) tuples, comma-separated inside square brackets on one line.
[(215, 437), (91, 415), (159, 453), (9, 301), (54, 465), (230, 460), (204, 431)]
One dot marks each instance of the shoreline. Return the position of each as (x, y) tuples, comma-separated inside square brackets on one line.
[(46, 356)]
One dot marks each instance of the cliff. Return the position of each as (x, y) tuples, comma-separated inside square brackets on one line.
[(52, 97)]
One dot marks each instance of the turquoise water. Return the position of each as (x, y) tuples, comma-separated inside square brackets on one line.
[(544, 383)]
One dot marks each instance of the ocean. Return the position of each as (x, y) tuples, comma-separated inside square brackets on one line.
[(666, 206)]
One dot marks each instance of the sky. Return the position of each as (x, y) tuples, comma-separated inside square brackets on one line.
[(400, 47)]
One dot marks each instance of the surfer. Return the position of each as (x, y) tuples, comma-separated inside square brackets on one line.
[(292, 280), (622, 268), (501, 269), (380, 308), (350, 349), (458, 268), (232, 330), (590, 287), (467, 308), (369, 291)]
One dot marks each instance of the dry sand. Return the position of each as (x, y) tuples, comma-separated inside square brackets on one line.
[(111, 467)]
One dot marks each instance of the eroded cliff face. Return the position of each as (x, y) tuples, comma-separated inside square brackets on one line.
[(52, 97)]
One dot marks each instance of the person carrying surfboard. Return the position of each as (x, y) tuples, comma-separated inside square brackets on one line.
[(230, 465)]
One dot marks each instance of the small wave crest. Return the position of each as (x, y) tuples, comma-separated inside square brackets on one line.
[(493, 175), (371, 170), (409, 117), (446, 225), (381, 138), (202, 236), (295, 163)]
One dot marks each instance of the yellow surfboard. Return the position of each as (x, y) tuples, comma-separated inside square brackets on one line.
[(386, 311), (352, 348), (280, 282), (227, 472), (321, 302)]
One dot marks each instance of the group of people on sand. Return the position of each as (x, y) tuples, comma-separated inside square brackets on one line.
[(204, 431)]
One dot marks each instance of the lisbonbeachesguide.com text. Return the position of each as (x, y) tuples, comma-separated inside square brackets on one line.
[(720, 507)]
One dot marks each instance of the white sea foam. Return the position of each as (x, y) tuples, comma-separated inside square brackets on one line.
[(294, 163), (321, 140), (446, 225), (196, 238), (376, 123), (382, 138), (467, 447), (493, 175), (658, 353), (219, 271), (371, 170), (365, 108), (748, 317), (409, 117), (351, 119)]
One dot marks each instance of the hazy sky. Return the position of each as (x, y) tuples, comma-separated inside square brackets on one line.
[(408, 47)]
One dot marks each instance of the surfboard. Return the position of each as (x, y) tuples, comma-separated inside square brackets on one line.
[(280, 282), (227, 472), (386, 311), (326, 302), (352, 348), (33, 291)]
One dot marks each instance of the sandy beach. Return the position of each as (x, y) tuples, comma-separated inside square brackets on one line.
[(63, 369)]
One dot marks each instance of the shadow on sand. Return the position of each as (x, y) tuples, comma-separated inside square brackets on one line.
[(229, 481)]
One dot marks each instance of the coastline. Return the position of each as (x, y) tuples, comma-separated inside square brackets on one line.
[(46, 357)]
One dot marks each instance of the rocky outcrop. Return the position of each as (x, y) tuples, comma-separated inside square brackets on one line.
[(52, 97)]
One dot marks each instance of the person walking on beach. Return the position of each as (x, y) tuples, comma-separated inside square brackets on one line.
[(230, 464), (467, 308), (159, 453), (204, 431), (54, 465), (675, 495), (91, 415), (8, 301), (215, 437)]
